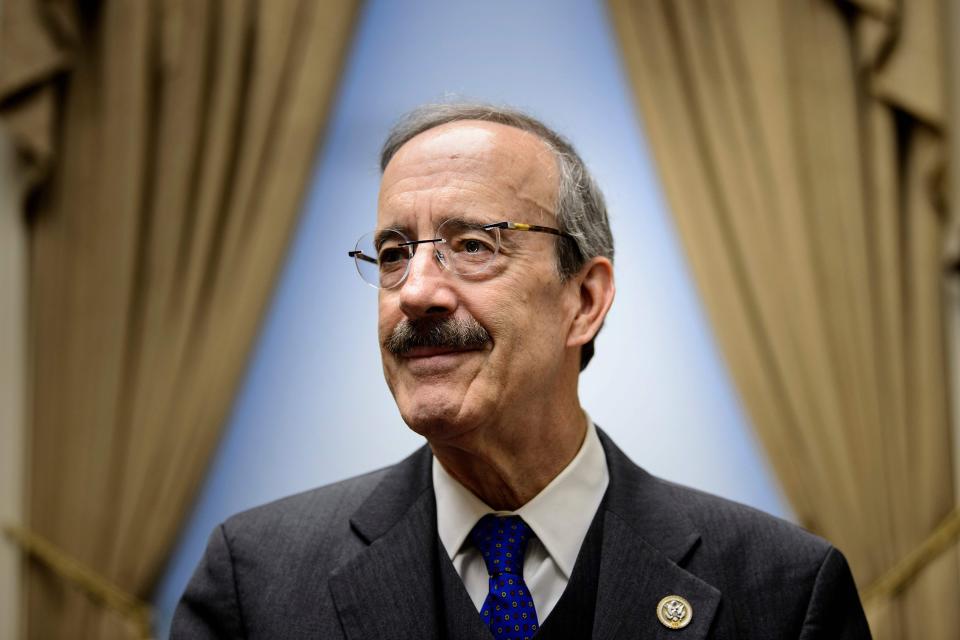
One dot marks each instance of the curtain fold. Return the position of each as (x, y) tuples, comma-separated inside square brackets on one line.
[(802, 148), (170, 142)]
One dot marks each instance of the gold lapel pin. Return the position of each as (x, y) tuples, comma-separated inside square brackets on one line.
[(674, 612)]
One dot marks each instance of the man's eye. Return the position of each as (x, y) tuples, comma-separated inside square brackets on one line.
[(391, 256), (473, 246)]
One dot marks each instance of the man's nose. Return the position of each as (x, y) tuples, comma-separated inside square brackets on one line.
[(428, 288)]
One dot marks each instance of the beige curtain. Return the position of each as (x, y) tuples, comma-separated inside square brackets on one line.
[(170, 142), (801, 144)]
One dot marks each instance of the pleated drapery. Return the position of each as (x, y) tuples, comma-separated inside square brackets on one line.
[(169, 144), (801, 145)]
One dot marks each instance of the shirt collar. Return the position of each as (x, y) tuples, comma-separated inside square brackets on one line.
[(559, 515)]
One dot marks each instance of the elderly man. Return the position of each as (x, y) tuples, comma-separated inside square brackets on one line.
[(493, 258)]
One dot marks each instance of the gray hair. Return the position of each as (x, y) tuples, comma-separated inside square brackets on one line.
[(581, 210)]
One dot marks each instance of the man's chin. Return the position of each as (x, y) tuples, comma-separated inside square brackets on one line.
[(429, 421), (434, 416), (433, 396)]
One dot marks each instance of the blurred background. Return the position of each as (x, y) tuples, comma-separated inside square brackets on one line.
[(182, 335)]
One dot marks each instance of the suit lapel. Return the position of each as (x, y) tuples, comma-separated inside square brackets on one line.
[(389, 588), (646, 538), (634, 577)]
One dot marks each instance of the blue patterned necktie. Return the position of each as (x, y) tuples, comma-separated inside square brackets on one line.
[(508, 609)]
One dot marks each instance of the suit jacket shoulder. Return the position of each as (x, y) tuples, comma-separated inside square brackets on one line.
[(311, 520), (755, 575), (266, 572), (735, 531)]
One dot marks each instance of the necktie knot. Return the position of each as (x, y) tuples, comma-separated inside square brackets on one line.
[(502, 540)]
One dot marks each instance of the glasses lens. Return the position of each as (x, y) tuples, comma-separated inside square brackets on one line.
[(381, 259), (468, 248)]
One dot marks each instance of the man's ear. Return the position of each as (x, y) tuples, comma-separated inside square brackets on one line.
[(596, 287)]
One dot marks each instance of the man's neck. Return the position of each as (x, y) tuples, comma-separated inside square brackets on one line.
[(506, 473)]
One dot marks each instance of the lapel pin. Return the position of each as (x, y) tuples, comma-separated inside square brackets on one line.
[(674, 612)]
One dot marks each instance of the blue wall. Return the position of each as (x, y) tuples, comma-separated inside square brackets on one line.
[(314, 407)]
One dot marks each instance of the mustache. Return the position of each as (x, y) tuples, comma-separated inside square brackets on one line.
[(453, 333)]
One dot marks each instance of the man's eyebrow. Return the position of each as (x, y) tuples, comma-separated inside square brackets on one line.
[(382, 234), (467, 220), (411, 234)]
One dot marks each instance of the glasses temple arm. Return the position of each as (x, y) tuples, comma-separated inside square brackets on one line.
[(360, 255), (520, 226)]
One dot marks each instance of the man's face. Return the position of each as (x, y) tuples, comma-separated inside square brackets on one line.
[(520, 310)]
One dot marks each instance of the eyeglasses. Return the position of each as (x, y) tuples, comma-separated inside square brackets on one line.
[(466, 248)]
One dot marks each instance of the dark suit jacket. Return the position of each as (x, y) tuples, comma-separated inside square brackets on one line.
[(358, 559)]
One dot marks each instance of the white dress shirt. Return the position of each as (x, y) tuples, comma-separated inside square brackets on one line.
[(560, 516)]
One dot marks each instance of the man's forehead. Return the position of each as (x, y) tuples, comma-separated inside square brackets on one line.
[(488, 160), (476, 139)]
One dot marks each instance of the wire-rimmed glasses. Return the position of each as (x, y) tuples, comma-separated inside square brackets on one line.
[(464, 247)]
